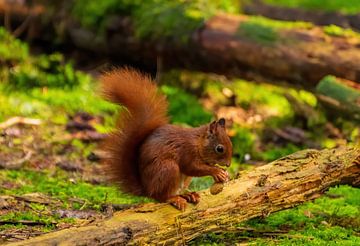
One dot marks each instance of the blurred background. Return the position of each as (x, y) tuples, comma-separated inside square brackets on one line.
[(285, 74)]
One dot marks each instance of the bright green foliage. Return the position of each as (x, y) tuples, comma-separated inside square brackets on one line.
[(45, 71), (92, 13), (39, 103), (35, 85), (267, 98), (11, 49), (331, 86), (176, 19), (334, 30), (19, 70), (184, 108), (273, 152), (265, 31), (172, 19), (346, 7)]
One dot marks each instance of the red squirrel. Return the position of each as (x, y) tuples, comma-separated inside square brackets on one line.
[(148, 156)]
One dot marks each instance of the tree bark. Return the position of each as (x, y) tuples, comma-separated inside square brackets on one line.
[(282, 184)]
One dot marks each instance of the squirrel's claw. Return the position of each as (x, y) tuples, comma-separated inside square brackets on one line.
[(191, 197), (221, 176)]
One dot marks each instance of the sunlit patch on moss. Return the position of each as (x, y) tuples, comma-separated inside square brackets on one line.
[(265, 31)]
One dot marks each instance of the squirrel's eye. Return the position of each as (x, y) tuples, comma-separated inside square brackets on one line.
[(219, 149)]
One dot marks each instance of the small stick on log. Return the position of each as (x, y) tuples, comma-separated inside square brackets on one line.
[(285, 183)]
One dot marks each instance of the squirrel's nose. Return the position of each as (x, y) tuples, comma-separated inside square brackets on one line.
[(228, 164)]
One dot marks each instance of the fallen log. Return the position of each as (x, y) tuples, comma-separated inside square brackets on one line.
[(282, 184), (233, 45)]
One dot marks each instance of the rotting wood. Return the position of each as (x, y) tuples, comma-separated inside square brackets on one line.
[(282, 184)]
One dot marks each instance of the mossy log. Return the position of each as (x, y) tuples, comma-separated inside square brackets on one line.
[(340, 96), (322, 18), (233, 45), (282, 184)]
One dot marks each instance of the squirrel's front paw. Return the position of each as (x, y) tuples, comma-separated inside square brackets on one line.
[(221, 176), (178, 202)]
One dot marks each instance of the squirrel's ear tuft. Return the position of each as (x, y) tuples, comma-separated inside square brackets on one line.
[(212, 127), (221, 122)]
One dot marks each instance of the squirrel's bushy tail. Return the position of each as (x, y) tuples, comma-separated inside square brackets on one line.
[(146, 111)]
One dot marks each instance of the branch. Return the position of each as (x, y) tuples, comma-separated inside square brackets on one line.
[(282, 184), (19, 120)]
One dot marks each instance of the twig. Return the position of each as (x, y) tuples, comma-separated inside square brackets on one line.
[(19, 120), (20, 29), (17, 163), (24, 222), (7, 20)]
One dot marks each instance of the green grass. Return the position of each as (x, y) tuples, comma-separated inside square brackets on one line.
[(346, 7), (59, 185)]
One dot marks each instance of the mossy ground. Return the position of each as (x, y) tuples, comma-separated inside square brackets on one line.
[(60, 185), (346, 7)]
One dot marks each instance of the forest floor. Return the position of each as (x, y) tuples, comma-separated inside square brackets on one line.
[(51, 178)]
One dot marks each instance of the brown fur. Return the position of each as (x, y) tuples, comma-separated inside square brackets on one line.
[(150, 157)]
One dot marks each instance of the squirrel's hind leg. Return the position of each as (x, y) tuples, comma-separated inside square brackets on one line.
[(161, 180)]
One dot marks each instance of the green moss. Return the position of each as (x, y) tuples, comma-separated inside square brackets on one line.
[(346, 7), (11, 49), (184, 108), (58, 185), (42, 103), (93, 13), (176, 19), (22, 71), (333, 87), (266, 31), (45, 71), (267, 98), (334, 30), (154, 18)]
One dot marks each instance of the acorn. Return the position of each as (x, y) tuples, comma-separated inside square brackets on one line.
[(216, 188)]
